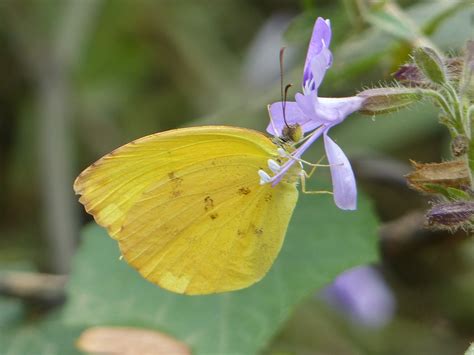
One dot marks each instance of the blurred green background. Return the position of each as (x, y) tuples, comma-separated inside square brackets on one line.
[(82, 77)]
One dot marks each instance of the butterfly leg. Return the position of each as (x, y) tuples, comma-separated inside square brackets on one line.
[(314, 166), (303, 176)]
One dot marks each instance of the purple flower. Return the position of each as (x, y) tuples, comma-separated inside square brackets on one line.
[(362, 294), (316, 116)]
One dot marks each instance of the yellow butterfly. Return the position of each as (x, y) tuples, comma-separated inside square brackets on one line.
[(187, 208)]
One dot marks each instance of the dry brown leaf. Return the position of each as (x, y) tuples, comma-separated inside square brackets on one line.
[(448, 174), (129, 341)]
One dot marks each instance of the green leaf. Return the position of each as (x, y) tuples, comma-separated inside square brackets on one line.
[(322, 241), (390, 19), (449, 192), (445, 11), (11, 311), (47, 336)]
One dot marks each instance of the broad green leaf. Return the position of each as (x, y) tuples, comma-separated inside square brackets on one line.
[(48, 336), (392, 20), (11, 312), (445, 10), (322, 242)]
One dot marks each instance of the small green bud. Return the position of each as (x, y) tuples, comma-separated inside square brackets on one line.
[(384, 100), (430, 64), (410, 75)]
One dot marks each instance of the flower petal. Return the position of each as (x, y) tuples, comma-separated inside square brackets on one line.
[(293, 115), (320, 38), (331, 110), (318, 66), (343, 180), (362, 294)]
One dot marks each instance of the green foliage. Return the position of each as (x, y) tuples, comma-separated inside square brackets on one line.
[(40, 336), (321, 242)]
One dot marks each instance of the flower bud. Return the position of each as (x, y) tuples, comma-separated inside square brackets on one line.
[(430, 64), (411, 76), (449, 174), (383, 100), (451, 215), (459, 145)]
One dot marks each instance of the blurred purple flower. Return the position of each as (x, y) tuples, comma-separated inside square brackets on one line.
[(362, 294), (317, 115)]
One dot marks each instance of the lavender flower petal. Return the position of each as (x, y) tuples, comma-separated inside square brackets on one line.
[(343, 180), (333, 111), (320, 38), (306, 103), (293, 115), (362, 294), (318, 66)]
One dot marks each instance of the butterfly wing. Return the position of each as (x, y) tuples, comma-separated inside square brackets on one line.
[(187, 208)]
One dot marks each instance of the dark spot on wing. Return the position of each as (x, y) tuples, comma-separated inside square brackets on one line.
[(175, 179), (213, 216), (244, 190), (175, 182), (176, 193), (208, 203)]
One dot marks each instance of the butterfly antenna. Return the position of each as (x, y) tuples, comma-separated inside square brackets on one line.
[(283, 92)]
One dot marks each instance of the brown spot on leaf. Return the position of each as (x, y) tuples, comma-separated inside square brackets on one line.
[(213, 216), (258, 231), (268, 197)]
